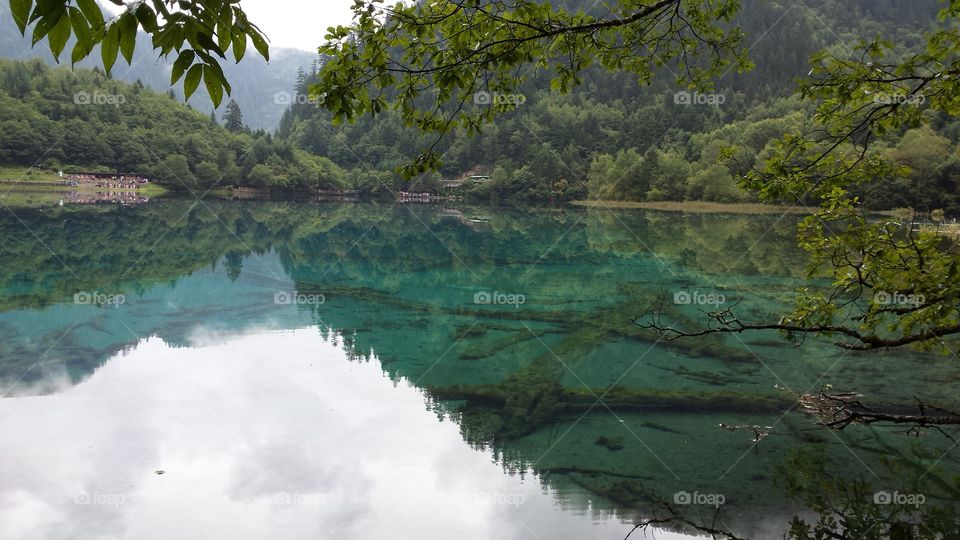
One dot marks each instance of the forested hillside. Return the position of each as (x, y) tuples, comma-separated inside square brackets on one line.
[(609, 138), (612, 139), (58, 118), (258, 86)]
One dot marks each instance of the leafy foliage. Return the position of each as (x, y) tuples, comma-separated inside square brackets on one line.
[(429, 60), (892, 285), (198, 33), (532, 153)]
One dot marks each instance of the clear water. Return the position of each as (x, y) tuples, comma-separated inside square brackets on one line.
[(300, 370)]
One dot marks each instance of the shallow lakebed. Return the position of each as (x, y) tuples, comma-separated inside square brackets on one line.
[(251, 369)]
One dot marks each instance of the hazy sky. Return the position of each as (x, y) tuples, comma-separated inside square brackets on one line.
[(297, 23), (300, 24)]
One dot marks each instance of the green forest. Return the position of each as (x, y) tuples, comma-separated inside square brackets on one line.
[(612, 139), (82, 120), (607, 139)]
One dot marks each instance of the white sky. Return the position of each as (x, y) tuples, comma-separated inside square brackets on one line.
[(298, 24)]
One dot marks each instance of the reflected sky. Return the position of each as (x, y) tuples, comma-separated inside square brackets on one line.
[(270, 434), (400, 406)]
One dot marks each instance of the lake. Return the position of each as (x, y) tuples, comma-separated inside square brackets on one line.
[(255, 369)]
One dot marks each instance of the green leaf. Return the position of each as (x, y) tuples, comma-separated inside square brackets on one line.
[(58, 37), (192, 81), (128, 36), (239, 45), (21, 12), (224, 26), (47, 22), (182, 63), (110, 46), (214, 67), (80, 28), (147, 18), (79, 52), (261, 45), (214, 84), (91, 11), (207, 43)]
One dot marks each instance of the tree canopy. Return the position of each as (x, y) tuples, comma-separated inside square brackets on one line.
[(455, 65), (198, 32)]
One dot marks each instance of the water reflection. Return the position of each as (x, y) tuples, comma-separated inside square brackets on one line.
[(266, 435), (397, 288)]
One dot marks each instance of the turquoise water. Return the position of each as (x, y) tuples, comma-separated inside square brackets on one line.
[(307, 370)]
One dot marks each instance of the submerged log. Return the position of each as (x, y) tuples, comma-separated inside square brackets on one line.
[(578, 399)]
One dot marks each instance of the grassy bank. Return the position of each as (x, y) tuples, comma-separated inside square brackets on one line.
[(700, 207), (27, 174), (44, 192), (31, 179)]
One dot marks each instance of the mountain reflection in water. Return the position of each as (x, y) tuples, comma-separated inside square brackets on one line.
[(241, 362)]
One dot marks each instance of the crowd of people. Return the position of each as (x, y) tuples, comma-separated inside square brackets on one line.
[(96, 197), (423, 196), (117, 181)]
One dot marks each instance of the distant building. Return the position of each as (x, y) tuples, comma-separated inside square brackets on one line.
[(456, 184)]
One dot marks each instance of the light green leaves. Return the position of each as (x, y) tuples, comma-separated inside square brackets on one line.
[(864, 98), (198, 33)]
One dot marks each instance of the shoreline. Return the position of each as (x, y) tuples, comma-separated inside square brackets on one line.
[(699, 207)]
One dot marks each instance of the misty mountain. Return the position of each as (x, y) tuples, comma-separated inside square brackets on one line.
[(260, 88)]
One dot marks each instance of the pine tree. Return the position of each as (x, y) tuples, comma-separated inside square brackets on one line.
[(301, 86), (233, 117)]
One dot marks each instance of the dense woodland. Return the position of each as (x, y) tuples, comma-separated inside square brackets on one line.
[(607, 139), (613, 139), (81, 120)]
